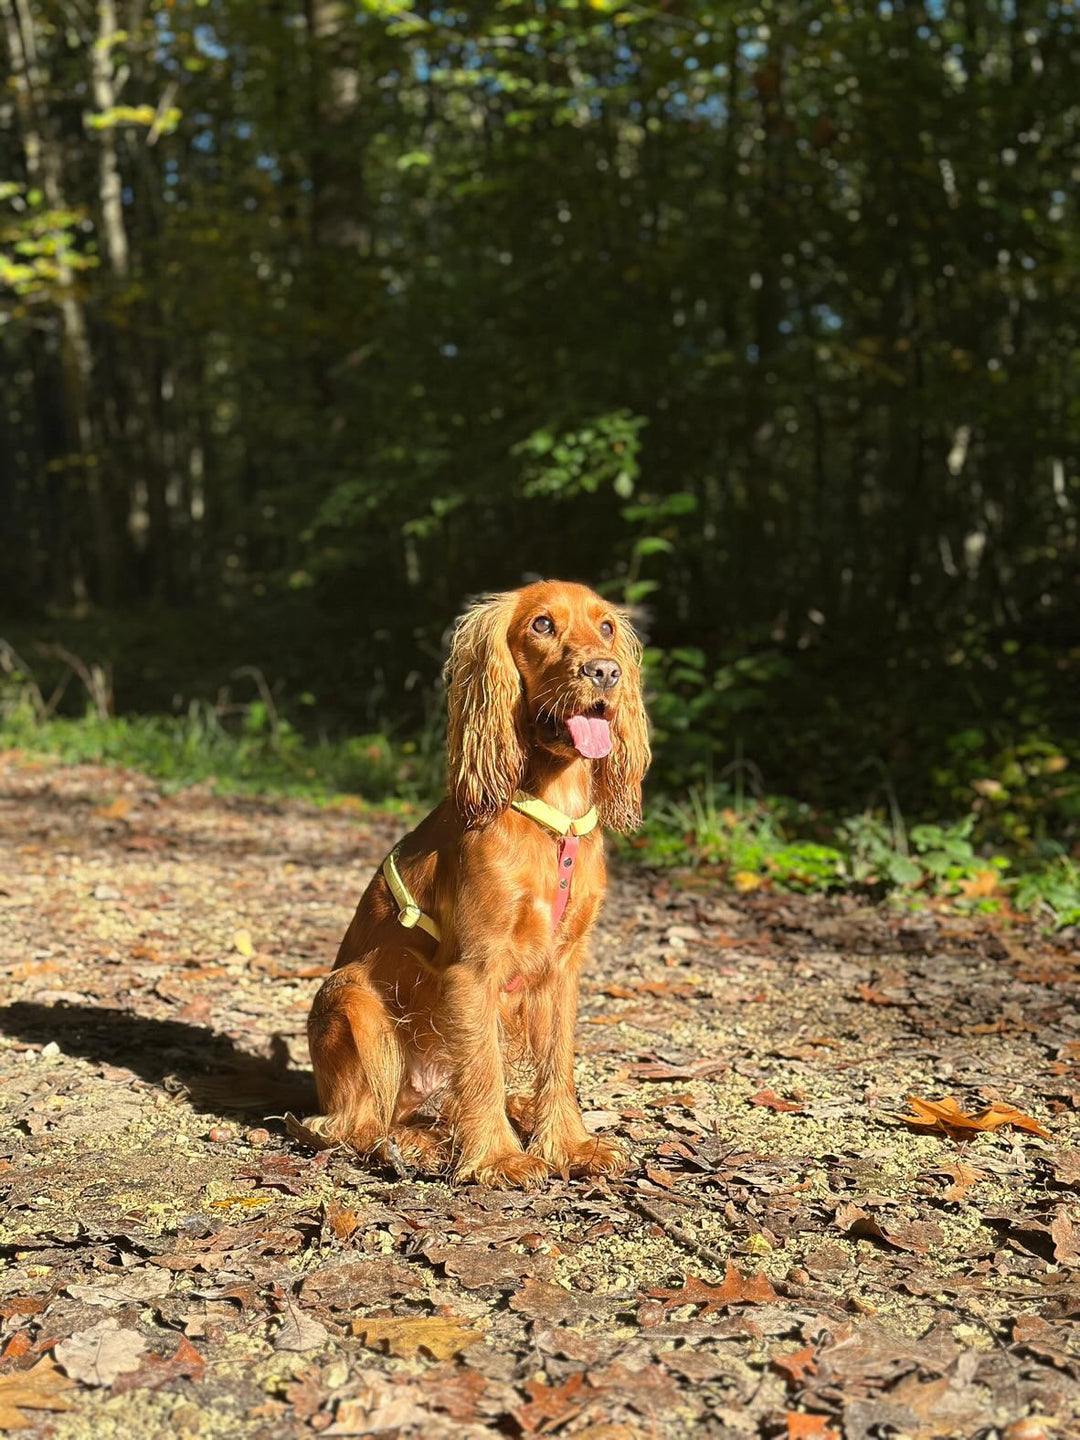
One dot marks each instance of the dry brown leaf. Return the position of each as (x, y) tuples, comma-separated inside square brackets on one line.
[(341, 1221), (98, 1355), (550, 1405), (796, 1365), (736, 1289), (963, 1178), (946, 1116), (441, 1338), (41, 1388), (769, 1100), (185, 1363)]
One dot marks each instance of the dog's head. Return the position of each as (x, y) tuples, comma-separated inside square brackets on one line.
[(551, 667)]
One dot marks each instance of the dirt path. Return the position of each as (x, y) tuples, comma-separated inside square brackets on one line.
[(177, 1264)]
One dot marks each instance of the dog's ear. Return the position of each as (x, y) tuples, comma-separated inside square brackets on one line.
[(485, 747), (619, 777)]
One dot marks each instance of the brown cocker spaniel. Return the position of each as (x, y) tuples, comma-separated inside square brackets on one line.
[(467, 945)]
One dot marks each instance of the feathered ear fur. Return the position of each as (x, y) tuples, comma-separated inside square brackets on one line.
[(619, 777), (485, 749)]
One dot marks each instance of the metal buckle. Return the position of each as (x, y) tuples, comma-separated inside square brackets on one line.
[(410, 916)]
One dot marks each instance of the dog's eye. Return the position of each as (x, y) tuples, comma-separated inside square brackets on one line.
[(607, 629), (543, 625)]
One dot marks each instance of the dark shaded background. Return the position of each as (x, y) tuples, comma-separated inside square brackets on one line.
[(319, 317)]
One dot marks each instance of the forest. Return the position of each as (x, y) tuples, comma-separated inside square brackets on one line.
[(319, 317)]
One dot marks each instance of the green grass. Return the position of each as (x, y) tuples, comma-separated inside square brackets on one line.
[(256, 757), (749, 842), (785, 845)]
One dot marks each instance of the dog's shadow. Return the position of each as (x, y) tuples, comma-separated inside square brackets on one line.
[(214, 1074)]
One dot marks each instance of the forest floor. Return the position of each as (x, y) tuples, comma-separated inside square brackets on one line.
[(787, 1257)]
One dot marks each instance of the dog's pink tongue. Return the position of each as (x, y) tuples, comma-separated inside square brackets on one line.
[(591, 736)]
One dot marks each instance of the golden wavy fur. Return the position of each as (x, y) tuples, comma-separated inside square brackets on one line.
[(405, 1019)]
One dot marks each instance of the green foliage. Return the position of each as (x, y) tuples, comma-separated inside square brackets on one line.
[(779, 843), (317, 320), (197, 748), (1052, 892), (602, 454)]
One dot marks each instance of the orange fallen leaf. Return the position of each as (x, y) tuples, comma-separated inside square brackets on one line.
[(116, 811), (809, 1427), (736, 1289), (771, 1101), (41, 1388), (946, 1116), (796, 1365), (746, 880), (981, 884), (871, 996), (341, 1221), (439, 1336), (550, 1405)]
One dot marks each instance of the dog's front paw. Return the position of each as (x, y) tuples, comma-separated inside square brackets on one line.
[(513, 1170), (424, 1147), (594, 1156)]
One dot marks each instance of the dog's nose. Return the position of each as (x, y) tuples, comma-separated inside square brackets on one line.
[(604, 674)]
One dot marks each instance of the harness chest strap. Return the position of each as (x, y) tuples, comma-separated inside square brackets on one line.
[(409, 913), (568, 831)]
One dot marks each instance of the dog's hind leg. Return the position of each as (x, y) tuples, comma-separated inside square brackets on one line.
[(362, 1078), (358, 1064)]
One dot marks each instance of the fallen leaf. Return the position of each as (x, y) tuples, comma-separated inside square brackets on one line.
[(341, 1221), (963, 1177), (796, 1365), (550, 1405), (242, 944), (305, 1134), (1065, 1238), (22, 1305), (918, 1236), (870, 996), (359, 1283), (382, 1406), (41, 1388), (441, 1338), (299, 1331), (736, 1289), (116, 811), (745, 881), (456, 1390), (809, 1427), (946, 1116), (133, 1287), (98, 1355), (981, 884), (771, 1101), (185, 1363)]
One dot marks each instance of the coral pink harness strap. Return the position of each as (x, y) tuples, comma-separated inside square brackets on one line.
[(569, 832), (568, 848)]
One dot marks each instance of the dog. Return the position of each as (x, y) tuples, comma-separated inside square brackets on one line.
[(467, 945)]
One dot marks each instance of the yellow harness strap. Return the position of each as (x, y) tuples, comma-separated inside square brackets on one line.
[(409, 913), (552, 819)]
